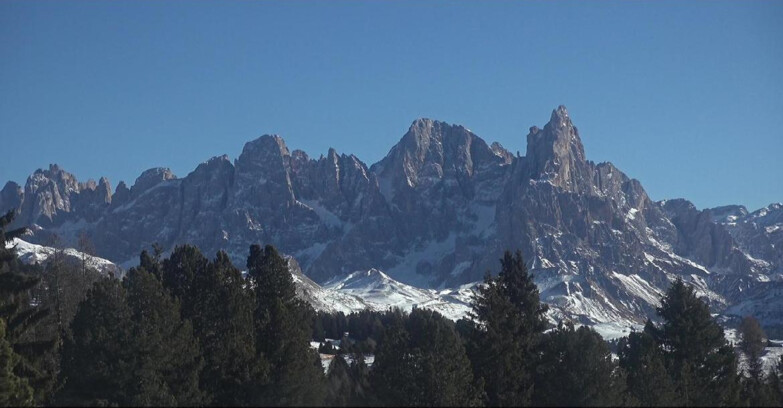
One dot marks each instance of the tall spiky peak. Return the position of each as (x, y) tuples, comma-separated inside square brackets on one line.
[(555, 153)]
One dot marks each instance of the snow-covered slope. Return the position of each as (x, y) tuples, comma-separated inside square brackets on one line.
[(379, 292), (32, 254)]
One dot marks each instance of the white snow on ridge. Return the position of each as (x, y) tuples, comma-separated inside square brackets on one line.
[(639, 287), (377, 291), (31, 253)]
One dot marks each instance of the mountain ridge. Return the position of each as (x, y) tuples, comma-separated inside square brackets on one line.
[(436, 212)]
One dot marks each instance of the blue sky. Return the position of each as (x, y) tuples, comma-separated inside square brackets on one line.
[(687, 98)]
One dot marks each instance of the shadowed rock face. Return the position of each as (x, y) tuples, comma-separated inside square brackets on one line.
[(437, 211)]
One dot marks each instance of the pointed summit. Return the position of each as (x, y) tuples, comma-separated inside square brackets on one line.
[(555, 153), (560, 115)]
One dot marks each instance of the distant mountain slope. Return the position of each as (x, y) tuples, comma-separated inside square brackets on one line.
[(38, 254), (371, 290), (437, 212)]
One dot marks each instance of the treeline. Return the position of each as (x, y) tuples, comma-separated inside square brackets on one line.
[(187, 330)]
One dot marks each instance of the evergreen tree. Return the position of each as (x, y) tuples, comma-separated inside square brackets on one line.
[(21, 319), (752, 344), (168, 361), (698, 358), (179, 271), (756, 392), (361, 395), (340, 384), (576, 369), (221, 309), (510, 320), (648, 382), (129, 346), (775, 383), (422, 362), (98, 358), (14, 391), (283, 329)]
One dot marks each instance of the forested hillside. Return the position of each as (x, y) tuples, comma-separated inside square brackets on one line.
[(189, 330)]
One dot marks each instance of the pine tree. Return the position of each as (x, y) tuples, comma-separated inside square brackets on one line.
[(576, 369), (752, 344), (422, 362), (361, 395), (283, 328), (180, 269), (775, 383), (340, 384), (756, 392), (510, 320), (221, 309), (98, 358), (168, 360), (14, 391), (698, 358), (648, 382), (21, 319)]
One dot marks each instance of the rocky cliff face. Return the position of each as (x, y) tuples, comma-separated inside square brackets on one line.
[(437, 211)]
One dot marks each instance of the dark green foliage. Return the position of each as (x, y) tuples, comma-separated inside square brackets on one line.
[(775, 383), (339, 383), (23, 321), (189, 331), (698, 358), (642, 360), (327, 348), (151, 263), (752, 344), (270, 273), (14, 391), (510, 320), (756, 391), (348, 385), (167, 355), (129, 346), (576, 369), (221, 309), (421, 362), (98, 359), (180, 270), (283, 329)]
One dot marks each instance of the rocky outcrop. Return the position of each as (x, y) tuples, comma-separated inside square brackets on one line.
[(437, 211)]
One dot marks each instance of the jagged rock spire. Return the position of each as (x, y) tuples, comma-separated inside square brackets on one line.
[(555, 153)]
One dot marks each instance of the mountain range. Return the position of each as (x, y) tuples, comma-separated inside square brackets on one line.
[(434, 215)]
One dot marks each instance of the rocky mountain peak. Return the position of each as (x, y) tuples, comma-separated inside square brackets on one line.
[(150, 178), (263, 173), (437, 211), (121, 194), (728, 213), (432, 150), (555, 153), (501, 152), (264, 146), (560, 116), (10, 196)]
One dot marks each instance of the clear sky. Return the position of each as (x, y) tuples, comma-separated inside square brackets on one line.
[(687, 98)]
